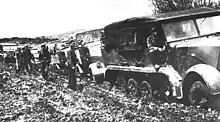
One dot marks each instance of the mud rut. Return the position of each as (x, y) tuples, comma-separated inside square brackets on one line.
[(30, 98)]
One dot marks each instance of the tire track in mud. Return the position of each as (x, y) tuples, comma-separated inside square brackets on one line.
[(52, 101)]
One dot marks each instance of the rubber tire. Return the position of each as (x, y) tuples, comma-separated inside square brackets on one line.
[(108, 84), (199, 89), (122, 84)]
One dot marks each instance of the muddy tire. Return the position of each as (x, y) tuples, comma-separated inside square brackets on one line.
[(107, 85), (198, 94), (122, 84)]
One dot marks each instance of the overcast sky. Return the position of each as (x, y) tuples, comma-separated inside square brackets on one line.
[(32, 18)]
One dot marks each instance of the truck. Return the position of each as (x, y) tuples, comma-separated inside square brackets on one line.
[(88, 51), (173, 56), (8, 50)]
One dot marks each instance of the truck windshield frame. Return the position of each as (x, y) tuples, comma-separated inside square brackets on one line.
[(208, 25), (180, 30), (186, 29)]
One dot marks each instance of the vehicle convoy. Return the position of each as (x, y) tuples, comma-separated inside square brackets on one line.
[(173, 56)]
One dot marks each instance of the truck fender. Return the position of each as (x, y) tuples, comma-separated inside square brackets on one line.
[(97, 68), (209, 74), (109, 74), (106, 72), (174, 79)]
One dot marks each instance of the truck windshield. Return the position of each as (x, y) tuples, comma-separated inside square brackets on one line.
[(208, 25), (180, 30), (187, 29)]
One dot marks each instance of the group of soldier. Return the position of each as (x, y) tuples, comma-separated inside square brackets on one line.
[(25, 60)]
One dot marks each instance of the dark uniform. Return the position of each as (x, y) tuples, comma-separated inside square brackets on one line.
[(1, 48), (72, 60), (86, 60), (156, 47), (62, 59), (45, 60), (1, 54), (19, 60), (28, 56)]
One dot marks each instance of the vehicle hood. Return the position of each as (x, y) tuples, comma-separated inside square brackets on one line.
[(201, 50), (208, 41)]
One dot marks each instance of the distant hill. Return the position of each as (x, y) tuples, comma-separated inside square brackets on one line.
[(41, 39), (65, 35), (89, 36)]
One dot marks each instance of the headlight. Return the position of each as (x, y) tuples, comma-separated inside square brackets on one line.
[(99, 64)]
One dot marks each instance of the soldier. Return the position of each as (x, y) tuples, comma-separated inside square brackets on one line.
[(156, 46), (45, 59), (55, 49), (1, 48), (154, 42), (19, 60), (1, 53), (62, 59), (28, 56), (71, 63)]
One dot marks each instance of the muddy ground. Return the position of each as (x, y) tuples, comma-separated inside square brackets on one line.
[(30, 98)]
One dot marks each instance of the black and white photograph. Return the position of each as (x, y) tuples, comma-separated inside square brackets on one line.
[(110, 61)]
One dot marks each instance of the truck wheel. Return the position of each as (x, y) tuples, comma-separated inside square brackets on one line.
[(145, 89), (122, 84), (107, 85), (133, 87), (198, 93)]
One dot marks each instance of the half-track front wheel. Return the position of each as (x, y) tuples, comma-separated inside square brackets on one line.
[(198, 93), (107, 85)]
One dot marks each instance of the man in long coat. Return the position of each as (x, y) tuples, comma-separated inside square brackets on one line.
[(28, 56), (45, 59), (71, 62), (19, 60)]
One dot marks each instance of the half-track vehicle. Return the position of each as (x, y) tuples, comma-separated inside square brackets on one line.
[(173, 56)]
